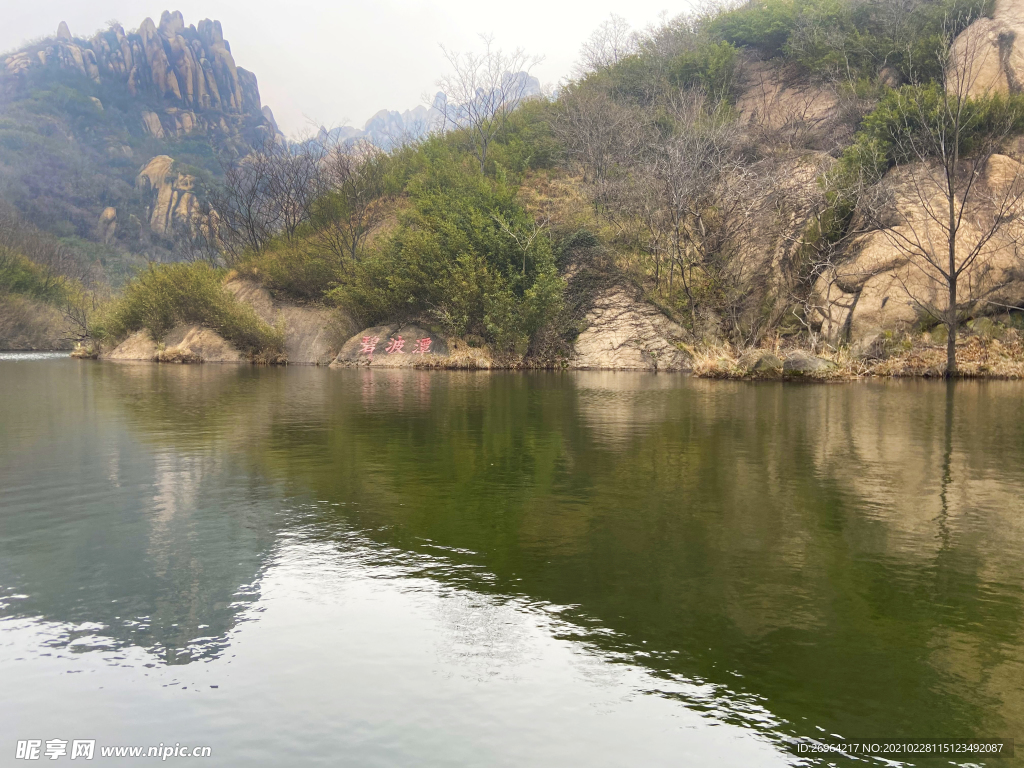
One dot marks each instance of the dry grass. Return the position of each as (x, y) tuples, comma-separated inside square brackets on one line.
[(977, 357), (461, 357)]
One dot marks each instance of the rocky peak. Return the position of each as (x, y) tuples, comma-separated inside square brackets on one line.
[(188, 67), (171, 24)]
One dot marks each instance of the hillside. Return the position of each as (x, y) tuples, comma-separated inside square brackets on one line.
[(753, 190)]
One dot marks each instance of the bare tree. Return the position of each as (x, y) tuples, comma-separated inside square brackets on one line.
[(356, 201), (611, 42), (696, 168), (482, 90), (962, 212), (598, 132), (199, 237), (270, 192), (244, 202)]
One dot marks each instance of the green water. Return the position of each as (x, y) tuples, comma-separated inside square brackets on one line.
[(427, 568)]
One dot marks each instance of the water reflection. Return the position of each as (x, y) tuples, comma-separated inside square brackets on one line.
[(785, 559)]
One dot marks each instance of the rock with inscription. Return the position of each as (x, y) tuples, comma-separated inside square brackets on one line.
[(399, 345)]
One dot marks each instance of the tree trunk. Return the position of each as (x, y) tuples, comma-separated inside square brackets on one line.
[(951, 318), (951, 327)]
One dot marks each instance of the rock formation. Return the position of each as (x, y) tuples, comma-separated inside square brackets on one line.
[(399, 345), (184, 344), (312, 335), (992, 50), (107, 225), (626, 334), (190, 70), (169, 196), (877, 288)]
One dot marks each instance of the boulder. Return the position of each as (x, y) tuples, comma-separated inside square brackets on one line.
[(107, 224), (624, 333), (992, 49), (170, 197), (151, 124), (768, 363), (800, 363), (137, 347), (399, 345), (196, 344), (183, 344)]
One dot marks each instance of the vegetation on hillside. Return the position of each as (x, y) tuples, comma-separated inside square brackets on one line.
[(652, 169), (167, 295)]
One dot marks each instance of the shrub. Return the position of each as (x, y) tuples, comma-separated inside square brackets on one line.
[(298, 269), (19, 275), (167, 295), (710, 66), (466, 255)]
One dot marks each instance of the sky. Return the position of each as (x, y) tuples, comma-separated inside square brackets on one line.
[(337, 63)]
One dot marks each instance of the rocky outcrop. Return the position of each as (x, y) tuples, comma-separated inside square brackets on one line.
[(878, 288), (169, 197), (189, 69), (107, 225), (313, 335), (183, 344), (771, 212), (992, 50), (407, 345), (623, 333), (781, 105)]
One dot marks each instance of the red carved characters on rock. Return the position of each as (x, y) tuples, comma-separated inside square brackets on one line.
[(369, 344)]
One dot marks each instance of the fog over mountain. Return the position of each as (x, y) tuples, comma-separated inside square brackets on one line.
[(389, 128)]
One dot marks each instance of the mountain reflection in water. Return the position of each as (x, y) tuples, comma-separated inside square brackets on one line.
[(466, 568)]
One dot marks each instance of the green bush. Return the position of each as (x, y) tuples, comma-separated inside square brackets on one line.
[(21, 276), (298, 269), (710, 66), (167, 295), (466, 255), (902, 115)]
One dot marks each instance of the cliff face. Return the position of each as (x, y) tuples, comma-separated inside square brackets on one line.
[(187, 72)]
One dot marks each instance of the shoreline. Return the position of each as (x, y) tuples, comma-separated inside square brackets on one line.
[(977, 358)]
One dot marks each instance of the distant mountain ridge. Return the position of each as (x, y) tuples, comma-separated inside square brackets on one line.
[(389, 128)]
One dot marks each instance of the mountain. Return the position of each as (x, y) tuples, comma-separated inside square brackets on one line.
[(388, 128), (99, 135)]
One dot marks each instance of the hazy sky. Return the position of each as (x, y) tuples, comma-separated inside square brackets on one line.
[(338, 62)]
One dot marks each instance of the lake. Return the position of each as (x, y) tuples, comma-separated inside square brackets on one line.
[(302, 566)]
